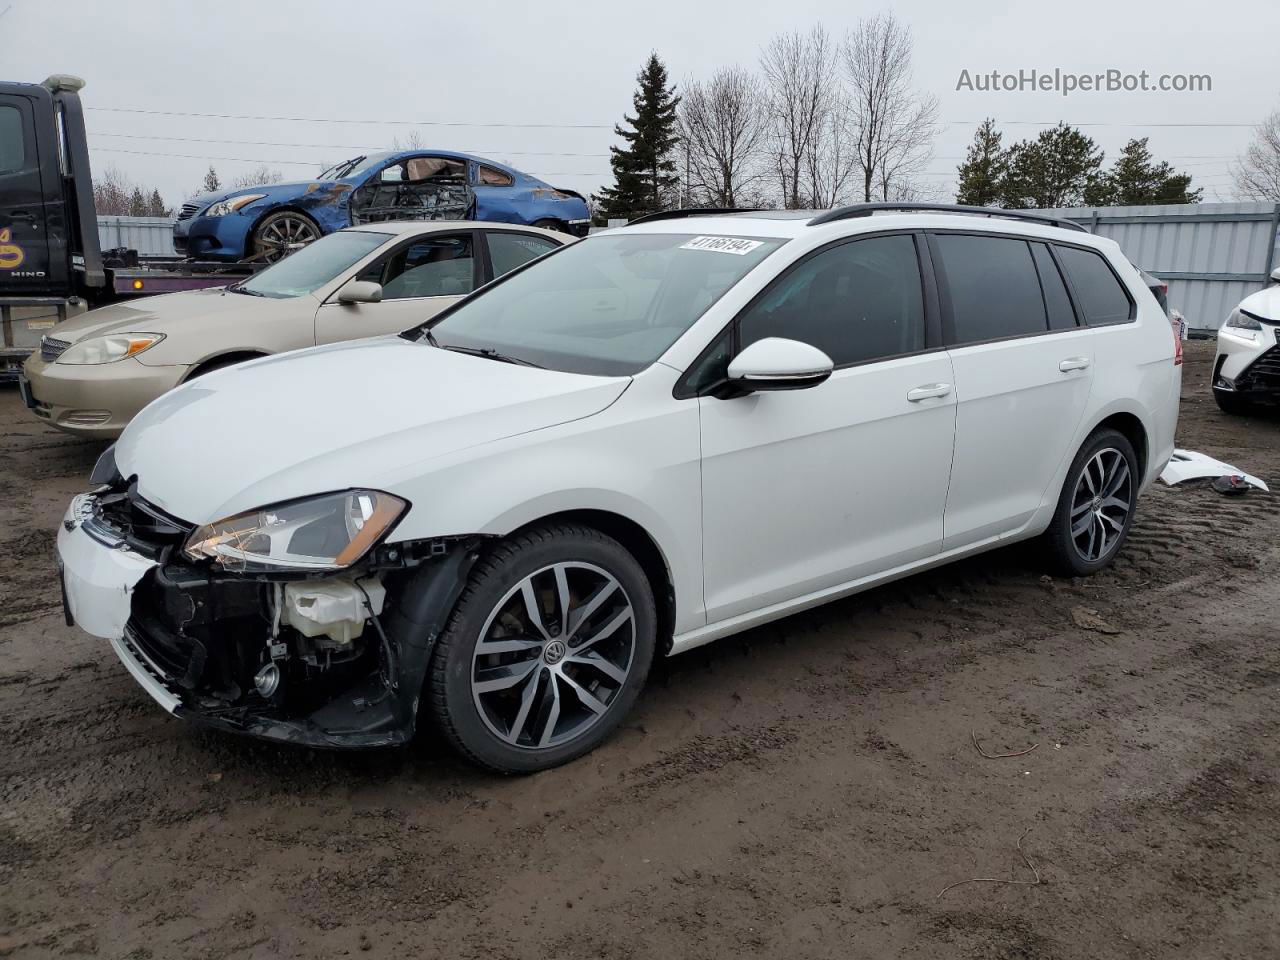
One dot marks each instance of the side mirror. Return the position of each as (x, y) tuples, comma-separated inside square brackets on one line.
[(1275, 275), (777, 364), (360, 291)]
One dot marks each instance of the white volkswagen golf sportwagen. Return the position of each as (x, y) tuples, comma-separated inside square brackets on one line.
[(637, 444)]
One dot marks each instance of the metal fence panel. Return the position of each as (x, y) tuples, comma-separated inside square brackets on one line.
[(150, 236), (1212, 255)]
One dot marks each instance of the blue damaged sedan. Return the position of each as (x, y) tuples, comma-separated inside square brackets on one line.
[(267, 222)]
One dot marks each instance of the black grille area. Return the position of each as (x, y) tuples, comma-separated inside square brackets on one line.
[(1263, 373), (178, 659), (145, 528), (52, 348), (188, 210)]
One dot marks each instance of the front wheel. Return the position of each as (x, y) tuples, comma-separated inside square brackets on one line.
[(280, 234), (546, 651), (1096, 506), (1231, 403)]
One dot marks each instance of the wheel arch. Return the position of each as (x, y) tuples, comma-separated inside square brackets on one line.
[(286, 206), (1131, 426), (221, 360)]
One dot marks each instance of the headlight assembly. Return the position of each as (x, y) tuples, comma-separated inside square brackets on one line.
[(1239, 321), (110, 348), (232, 204), (328, 532)]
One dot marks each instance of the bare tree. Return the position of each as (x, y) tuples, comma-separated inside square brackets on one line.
[(722, 124), (1257, 172), (112, 191), (832, 158), (799, 74), (412, 141), (895, 125), (257, 177)]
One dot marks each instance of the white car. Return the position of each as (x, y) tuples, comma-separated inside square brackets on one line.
[(658, 436), (1247, 367)]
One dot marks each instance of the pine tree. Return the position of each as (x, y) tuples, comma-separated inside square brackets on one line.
[(211, 181), (643, 171), (137, 203), (1056, 169), (1135, 179), (983, 168), (156, 205)]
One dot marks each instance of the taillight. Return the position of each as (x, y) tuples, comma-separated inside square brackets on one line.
[(1175, 325)]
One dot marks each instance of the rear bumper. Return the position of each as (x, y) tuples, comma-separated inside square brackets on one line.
[(97, 400)]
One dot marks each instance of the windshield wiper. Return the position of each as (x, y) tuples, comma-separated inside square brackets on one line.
[(236, 288), (487, 352)]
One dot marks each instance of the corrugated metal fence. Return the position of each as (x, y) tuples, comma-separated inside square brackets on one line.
[(150, 236), (1212, 255)]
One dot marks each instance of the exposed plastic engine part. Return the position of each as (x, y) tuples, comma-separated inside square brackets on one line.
[(336, 608)]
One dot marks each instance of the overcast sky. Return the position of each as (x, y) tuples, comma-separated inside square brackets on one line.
[(359, 65)]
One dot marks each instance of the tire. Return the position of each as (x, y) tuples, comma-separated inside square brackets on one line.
[(1109, 458), (1232, 403), (513, 710), (279, 234), (548, 224)]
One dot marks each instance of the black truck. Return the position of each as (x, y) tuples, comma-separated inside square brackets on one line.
[(51, 263)]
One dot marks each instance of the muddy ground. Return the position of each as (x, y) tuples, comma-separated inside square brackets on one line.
[(804, 790)]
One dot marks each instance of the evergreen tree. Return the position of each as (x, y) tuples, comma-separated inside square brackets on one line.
[(137, 203), (1056, 169), (211, 181), (643, 171), (1135, 179), (984, 167), (156, 205)]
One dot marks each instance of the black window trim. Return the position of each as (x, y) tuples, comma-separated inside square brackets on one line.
[(488, 257), (1077, 314), (933, 343), (477, 270), (1075, 297)]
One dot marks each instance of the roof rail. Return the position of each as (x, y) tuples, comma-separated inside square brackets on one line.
[(867, 209), (683, 212)]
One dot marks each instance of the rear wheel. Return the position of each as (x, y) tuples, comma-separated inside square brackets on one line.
[(279, 234), (551, 225), (546, 650), (1232, 403), (1096, 506)]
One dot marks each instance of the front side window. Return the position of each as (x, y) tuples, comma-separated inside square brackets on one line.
[(431, 267), (509, 250), (1102, 298), (310, 268), (855, 302), (609, 305), (12, 147), (995, 291)]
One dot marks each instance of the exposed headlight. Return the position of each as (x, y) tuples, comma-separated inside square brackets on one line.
[(1239, 320), (109, 349), (232, 204), (328, 532)]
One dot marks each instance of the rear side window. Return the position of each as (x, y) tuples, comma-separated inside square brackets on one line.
[(12, 148), (1101, 296), (1061, 314), (856, 302), (995, 291)]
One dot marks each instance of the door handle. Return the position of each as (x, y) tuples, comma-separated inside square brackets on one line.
[(1074, 363), (930, 391)]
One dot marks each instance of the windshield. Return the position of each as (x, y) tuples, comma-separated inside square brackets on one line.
[(609, 306), (348, 168), (313, 266)]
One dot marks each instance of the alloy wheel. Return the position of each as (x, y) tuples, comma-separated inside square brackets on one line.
[(553, 655), (283, 235), (1101, 504)]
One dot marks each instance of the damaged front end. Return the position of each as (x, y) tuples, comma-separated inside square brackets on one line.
[(322, 657)]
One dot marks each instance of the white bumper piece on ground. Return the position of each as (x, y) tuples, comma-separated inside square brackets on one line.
[(1189, 465)]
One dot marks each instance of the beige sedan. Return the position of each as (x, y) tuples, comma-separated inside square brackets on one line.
[(92, 374)]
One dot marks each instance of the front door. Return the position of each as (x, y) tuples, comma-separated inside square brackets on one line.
[(414, 188), (806, 490), (419, 279), (24, 243)]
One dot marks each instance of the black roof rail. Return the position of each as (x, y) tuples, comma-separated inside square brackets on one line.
[(683, 212), (867, 209)]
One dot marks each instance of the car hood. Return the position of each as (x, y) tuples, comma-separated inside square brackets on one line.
[(366, 413), (169, 313), (1265, 303)]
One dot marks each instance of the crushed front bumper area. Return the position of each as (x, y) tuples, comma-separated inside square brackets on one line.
[(196, 640)]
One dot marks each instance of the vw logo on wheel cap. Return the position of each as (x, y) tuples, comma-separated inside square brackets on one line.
[(554, 651)]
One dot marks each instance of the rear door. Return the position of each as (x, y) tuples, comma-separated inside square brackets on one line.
[(24, 243), (1023, 372)]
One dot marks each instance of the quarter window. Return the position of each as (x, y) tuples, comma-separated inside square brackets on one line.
[(995, 292), (492, 177), (509, 250), (12, 149), (856, 302), (1102, 298), (1056, 300)]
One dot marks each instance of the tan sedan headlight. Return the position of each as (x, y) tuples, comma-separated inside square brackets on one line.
[(109, 349), (328, 532)]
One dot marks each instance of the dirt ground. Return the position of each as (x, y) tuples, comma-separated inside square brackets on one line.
[(804, 790)]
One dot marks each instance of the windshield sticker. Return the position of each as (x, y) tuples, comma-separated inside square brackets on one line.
[(734, 245)]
